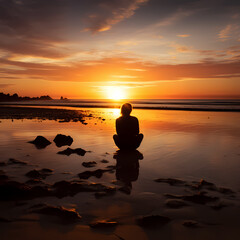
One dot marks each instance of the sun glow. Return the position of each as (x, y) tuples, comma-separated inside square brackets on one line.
[(115, 92)]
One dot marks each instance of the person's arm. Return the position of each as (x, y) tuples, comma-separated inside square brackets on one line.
[(137, 126), (117, 126)]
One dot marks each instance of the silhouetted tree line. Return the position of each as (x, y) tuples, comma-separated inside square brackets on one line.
[(15, 97)]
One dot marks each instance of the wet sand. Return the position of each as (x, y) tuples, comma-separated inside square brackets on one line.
[(182, 183)]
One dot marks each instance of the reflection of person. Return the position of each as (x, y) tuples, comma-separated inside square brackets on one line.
[(127, 127), (127, 168)]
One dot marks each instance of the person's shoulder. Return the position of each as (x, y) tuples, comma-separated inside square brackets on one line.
[(119, 119), (134, 118)]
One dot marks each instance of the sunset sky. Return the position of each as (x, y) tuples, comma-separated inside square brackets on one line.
[(135, 48)]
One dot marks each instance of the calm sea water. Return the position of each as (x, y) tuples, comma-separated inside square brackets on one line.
[(176, 104)]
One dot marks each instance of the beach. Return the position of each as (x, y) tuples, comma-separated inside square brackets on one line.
[(182, 183)]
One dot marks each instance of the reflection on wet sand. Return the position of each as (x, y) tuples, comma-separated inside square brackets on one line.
[(127, 168)]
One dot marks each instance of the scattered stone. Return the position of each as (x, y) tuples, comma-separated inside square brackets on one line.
[(191, 224), (67, 188), (175, 203), (199, 198), (62, 140), (68, 216), (4, 220), (39, 174), (103, 224), (152, 221), (219, 206), (69, 151), (171, 181), (40, 142), (15, 161), (87, 174), (12, 190), (3, 177), (104, 161), (2, 164), (34, 181), (89, 164), (225, 190)]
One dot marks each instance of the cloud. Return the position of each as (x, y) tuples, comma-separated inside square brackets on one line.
[(183, 35), (110, 12), (228, 32)]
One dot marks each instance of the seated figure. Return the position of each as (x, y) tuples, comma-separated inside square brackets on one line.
[(127, 127)]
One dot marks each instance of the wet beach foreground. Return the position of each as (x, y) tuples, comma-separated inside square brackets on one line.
[(61, 176)]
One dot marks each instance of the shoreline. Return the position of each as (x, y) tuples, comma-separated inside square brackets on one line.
[(7, 105)]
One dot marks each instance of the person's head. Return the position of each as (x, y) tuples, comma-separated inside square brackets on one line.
[(126, 109)]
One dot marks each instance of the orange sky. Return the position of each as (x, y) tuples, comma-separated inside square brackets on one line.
[(128, 49)]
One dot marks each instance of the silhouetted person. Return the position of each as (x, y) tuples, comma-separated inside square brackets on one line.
[(127, 127), (127, 168)]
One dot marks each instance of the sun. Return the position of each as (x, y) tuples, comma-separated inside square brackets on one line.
[(115, 92)]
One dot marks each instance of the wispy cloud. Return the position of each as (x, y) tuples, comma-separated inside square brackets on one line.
[(183, 35), (228, 31), (111, 12)]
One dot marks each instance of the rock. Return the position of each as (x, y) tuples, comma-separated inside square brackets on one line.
[(191, 224), (40, 142), (219, 206), (89, 164), (104, 161), (2, 164), (103, 224), (87, 174), (15, 161), (174, 203), (39, 174), (62, 140), (199, 198), (68, 216), (4, 220), (152, 221), (34, 181), (171, 181), (225, 190), (3, 178), (69, 151), (67, 188)]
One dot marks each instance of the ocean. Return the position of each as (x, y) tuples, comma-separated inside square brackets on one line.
[(165, 104)]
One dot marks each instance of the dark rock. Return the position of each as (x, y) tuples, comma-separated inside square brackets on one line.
[(40, 142), (89, 164), (104, 161), (87, 174), (62, 140), (34, 181), (4, 220), (175, 203), (152, 221), (199, 198), (15, 161), (67, 188), (219, 206), (68, 216), (2, 164), (225, 190), (69, 151), (171, 181), (3, 177), (12, 190), (103, 224), (39, 174), (191, 224)]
